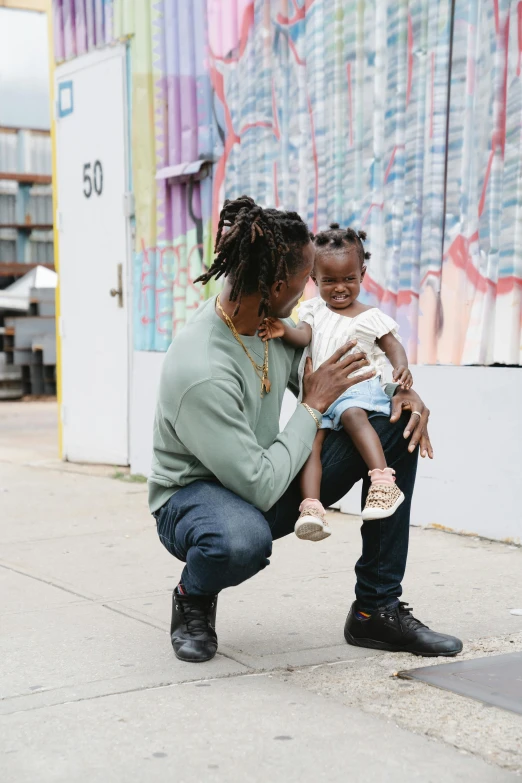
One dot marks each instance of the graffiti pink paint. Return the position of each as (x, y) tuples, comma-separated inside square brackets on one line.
[(229, 23)]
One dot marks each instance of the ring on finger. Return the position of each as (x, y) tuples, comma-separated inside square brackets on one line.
[(416, 413)]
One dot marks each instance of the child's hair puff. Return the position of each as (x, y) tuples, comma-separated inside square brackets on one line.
[(336, 237)]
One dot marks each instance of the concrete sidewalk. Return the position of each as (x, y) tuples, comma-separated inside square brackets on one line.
[(92, 692)]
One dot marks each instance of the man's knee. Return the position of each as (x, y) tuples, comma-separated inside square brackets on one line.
[(390, 433), (245, 547), (394, 444)]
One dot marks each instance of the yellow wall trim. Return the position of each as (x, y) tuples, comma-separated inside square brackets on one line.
[(25, 5), (55, 227)]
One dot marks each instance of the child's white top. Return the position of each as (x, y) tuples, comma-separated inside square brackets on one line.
[(330, 331)]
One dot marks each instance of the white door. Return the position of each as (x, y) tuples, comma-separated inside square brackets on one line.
[(91, 135)]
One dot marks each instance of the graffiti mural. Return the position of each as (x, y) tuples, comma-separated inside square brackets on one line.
[(481, 273), (337, 110), (173, 125), (403, 118)]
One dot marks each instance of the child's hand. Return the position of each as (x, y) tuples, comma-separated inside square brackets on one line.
[(271, 328), (403, 376)]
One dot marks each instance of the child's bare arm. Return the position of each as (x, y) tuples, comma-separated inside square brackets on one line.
[(299, 336), (398, 359)]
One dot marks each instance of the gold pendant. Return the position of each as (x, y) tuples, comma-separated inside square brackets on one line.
[(266, 385)]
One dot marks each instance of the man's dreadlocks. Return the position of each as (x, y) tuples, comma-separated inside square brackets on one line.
[(260, 247), (335, 237)]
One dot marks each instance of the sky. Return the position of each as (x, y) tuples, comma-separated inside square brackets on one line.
[(24, 69)]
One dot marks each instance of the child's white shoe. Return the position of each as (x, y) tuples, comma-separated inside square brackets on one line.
[(312, 524)]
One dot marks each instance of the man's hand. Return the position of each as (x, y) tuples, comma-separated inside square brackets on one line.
[(271, 329), (417, 427), (322, 387), (403, 376)]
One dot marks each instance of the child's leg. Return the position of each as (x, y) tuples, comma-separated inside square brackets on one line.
[(312, 524), (384, 496), (356, 423), (312, 472)]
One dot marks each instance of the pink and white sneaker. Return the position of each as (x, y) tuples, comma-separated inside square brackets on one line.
[(312, 524), (384, 496)]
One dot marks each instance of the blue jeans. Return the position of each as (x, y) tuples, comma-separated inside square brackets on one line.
[(368, 395), (223, 540)]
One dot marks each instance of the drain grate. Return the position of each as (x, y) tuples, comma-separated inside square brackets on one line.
[(496, 680)]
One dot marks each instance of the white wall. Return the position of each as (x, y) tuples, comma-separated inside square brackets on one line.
[(473, 483), (146, 369)]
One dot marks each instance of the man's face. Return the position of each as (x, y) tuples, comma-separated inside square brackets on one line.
[(285, 296)]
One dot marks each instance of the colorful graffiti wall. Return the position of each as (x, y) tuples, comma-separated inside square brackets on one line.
[(403, 118)]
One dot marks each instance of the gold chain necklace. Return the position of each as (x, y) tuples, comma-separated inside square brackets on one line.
[(261, 370)]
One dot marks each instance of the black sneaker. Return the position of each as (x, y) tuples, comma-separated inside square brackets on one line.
[(397, 630), (192, 629)]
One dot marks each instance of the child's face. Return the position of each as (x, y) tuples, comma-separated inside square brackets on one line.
[(338, 274)]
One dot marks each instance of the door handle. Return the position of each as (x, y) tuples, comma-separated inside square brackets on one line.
[(118, 291)]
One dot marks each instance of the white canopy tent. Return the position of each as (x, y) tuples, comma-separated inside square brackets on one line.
[(18, 295)]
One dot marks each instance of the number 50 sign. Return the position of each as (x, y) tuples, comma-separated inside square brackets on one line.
[(92, 181)]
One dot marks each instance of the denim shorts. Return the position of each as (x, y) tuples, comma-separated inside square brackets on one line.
[(368, 395)]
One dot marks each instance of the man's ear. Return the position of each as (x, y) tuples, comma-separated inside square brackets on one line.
[(276, 287)]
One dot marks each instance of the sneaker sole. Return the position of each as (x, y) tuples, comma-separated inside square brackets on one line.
[(311, 531), (382, 513), (373, 644), (320, 536)]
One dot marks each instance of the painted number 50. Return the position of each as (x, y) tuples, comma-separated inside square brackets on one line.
[(96, 179)]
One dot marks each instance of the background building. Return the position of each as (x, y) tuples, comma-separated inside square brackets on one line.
[(27, 326), (400, 118)]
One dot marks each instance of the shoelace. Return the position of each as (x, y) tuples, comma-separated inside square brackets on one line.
[(411, 622), (379, 492), (196, 615)]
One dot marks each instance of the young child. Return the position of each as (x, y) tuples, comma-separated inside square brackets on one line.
[(325, 324)]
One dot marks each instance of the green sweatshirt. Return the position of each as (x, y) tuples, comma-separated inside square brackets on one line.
[(211, 422)]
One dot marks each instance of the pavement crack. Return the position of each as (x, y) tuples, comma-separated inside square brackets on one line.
[(45, 581), (138, 689), (87, 534), (133, 617), (161, 628)]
